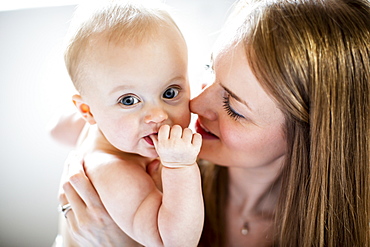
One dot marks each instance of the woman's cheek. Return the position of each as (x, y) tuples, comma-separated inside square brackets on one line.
[(232, 136)]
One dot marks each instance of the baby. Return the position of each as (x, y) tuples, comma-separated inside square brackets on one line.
[(128, 62)]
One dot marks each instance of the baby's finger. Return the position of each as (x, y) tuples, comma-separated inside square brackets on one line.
[(176, 132), (154, 140), (197, 140), (187, 135), (164, 132)]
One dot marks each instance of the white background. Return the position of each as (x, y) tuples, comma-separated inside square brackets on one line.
[(34, 86)]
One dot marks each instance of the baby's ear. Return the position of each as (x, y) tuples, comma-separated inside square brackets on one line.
[(83, 108)]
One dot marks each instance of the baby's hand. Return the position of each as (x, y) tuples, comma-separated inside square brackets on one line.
[(177, 147)]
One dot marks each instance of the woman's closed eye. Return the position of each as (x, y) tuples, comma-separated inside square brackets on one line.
[(229, 110)]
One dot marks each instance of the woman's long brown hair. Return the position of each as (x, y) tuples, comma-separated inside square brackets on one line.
[(313, 58)]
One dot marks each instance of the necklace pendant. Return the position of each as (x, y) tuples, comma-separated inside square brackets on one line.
[(244, 230)]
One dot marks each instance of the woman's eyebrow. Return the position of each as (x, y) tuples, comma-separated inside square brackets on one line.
[(236, 97)]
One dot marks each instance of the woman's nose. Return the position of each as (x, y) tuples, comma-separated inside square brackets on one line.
[(205, 103), (156, 115)]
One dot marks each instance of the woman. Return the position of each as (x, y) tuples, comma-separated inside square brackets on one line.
[(287, 123)]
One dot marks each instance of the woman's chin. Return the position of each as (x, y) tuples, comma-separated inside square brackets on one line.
[(205, 154)]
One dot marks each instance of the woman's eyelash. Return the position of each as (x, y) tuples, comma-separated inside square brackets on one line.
[(230, 111)]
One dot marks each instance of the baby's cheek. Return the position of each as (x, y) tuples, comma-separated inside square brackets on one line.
[(122, 136), (182, 117)]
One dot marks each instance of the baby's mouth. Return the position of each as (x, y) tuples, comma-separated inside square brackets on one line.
[(149, 140)]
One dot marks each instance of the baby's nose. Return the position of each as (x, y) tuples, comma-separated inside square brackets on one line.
[(156, 115)]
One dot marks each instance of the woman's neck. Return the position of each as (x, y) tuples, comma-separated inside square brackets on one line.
[(255, 190)]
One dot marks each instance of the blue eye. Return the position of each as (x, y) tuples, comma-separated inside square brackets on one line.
[(129, 100), (171, 93)]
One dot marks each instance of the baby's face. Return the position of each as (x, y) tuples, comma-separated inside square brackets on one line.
[(134, 89)]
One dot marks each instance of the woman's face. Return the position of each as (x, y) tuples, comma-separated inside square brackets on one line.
[(240, 123)]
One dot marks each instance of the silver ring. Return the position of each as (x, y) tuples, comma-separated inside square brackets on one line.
[(65, 209)]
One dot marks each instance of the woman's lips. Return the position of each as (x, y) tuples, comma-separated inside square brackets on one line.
[(204, 132)]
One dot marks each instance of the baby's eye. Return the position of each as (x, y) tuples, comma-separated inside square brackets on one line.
[(171, 93), (129, 100)]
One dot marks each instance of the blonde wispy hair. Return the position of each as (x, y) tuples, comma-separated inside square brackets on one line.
[(123, 22)]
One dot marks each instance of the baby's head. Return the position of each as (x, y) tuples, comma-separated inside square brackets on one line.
[(129, 63), (121, 23)]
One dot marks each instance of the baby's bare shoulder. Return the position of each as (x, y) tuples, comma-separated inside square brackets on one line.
[(101, 160), (101, 165), (111, 172)]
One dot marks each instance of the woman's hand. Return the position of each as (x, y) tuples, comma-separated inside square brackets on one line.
[(88, 222)]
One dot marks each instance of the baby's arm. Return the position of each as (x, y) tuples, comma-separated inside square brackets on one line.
[(138, 207), (125, 189), (66, 128), (181, 215)]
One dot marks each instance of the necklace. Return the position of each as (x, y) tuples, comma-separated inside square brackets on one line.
[(244, 231)]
